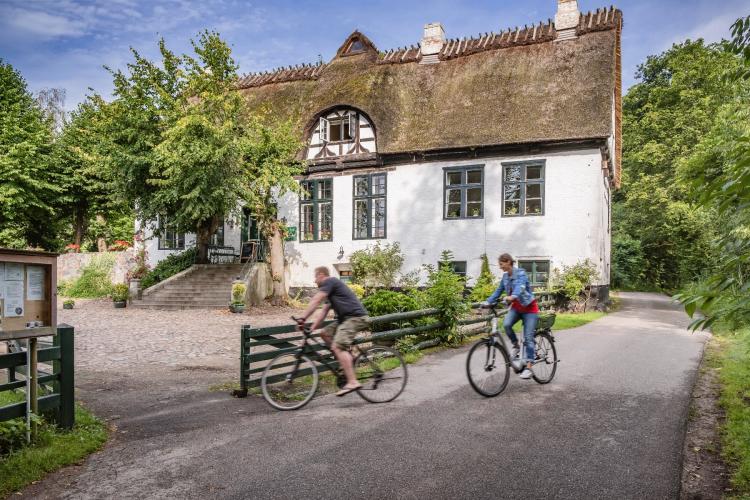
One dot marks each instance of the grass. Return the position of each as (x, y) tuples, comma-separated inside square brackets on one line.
[(565, 321), (54, 449), (733, 362)]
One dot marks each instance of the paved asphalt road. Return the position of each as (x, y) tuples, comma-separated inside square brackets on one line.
[(610, 425)]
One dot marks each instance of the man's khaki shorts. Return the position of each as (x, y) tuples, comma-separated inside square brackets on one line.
[(343, 333)]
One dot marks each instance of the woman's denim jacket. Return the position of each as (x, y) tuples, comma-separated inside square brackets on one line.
[(517, 285)]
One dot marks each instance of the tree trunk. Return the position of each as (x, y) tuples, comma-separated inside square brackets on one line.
[(203, 238), (101, 243), (80, 225), (276, 244)]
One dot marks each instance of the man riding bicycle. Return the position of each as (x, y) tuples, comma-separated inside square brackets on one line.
[(523, 306), (351, 318)]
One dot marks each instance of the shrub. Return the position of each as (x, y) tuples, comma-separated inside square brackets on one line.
[(69, 302), (486, 283), (358, 290), (140, 267), (445, 292), (168, 267), (119, 246), (388, 302), (573, 281), (238, 293), (377, 266), (94, 281), (120, 292)]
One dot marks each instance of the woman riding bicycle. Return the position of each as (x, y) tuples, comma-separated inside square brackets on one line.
[(523, 306)]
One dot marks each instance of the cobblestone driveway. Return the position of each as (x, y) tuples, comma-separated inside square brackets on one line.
[(113, 340)]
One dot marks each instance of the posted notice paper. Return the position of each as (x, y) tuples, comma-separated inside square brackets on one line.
[(34, 283), (13, 271), (13, 301), (2, 280)]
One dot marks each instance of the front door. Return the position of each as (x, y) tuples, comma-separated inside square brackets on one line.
[(251, 244)]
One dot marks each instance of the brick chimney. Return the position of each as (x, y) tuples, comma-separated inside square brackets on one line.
[(433, 39), (566, 19)]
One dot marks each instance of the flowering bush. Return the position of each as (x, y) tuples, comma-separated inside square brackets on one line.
[(140, 267), (72, 248), (119, 246)]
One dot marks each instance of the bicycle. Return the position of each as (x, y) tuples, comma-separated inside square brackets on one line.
[(488, 363), (381, 371)]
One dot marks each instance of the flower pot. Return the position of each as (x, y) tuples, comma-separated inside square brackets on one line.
[(237, 308), (67, 306), (119, 304)]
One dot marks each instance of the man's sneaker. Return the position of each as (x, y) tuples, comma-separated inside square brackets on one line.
[(515, 352), (525, 374)]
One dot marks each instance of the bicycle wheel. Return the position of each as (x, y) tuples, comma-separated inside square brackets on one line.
[(382, 373), (488, 368), (289, 381), (545, 362)]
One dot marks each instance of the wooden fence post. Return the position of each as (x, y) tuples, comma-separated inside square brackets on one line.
[(244, 362), (64, 339)]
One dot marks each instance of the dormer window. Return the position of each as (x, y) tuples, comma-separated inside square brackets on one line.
[(355, 46), (341, 132)]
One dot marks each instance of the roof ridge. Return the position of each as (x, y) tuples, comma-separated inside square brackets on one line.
[(599, 20)]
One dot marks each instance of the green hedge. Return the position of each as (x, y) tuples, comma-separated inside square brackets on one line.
[(168, 267)]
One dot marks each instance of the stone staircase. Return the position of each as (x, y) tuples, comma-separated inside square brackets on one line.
[(200, 287)]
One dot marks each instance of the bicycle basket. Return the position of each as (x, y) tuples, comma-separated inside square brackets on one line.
[(546, 320)]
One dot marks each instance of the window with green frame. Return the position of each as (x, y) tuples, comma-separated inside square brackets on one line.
[(523, 188), (369, 206), (537, 271), (463, 189), (169, 238), (316, 210)]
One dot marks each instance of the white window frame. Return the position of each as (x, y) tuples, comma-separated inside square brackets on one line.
[(324, 129)]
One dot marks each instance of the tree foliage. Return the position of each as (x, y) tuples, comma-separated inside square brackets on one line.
[(663, 237), (718, 174), (485, 284), (27, 181)]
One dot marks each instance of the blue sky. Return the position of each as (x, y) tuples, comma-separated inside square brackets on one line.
[(65, 43)]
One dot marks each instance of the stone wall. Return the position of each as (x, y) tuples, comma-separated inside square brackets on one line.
[(70, 265)]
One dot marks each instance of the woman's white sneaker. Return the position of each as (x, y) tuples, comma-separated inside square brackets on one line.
[(526, 374)]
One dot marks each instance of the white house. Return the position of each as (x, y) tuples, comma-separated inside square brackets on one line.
[(503, 142)]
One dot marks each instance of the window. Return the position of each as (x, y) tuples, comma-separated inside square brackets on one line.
[(316, 210), (169, 238), (458, 267), (463, 192), (217, 239), (369, 206), (339, 129), (523, 189), (537, 271), (345, 276)]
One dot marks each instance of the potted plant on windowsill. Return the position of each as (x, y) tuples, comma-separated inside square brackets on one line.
[(120, 293), (238, 298), (68, 303)]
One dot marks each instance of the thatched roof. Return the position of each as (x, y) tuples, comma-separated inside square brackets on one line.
[(518, 86)]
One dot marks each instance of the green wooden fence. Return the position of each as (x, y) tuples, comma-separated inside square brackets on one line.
[(55, 385), (253, 360)]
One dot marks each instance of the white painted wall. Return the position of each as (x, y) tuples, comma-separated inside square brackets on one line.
[(575, 225)]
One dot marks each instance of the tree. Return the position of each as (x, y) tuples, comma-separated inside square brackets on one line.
[(665, 116), (87, 187), (718, 172), (269, 151), (377, 266), (27, 185), (181, 138)]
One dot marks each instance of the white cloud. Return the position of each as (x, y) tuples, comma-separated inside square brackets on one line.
[(42, 24)]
